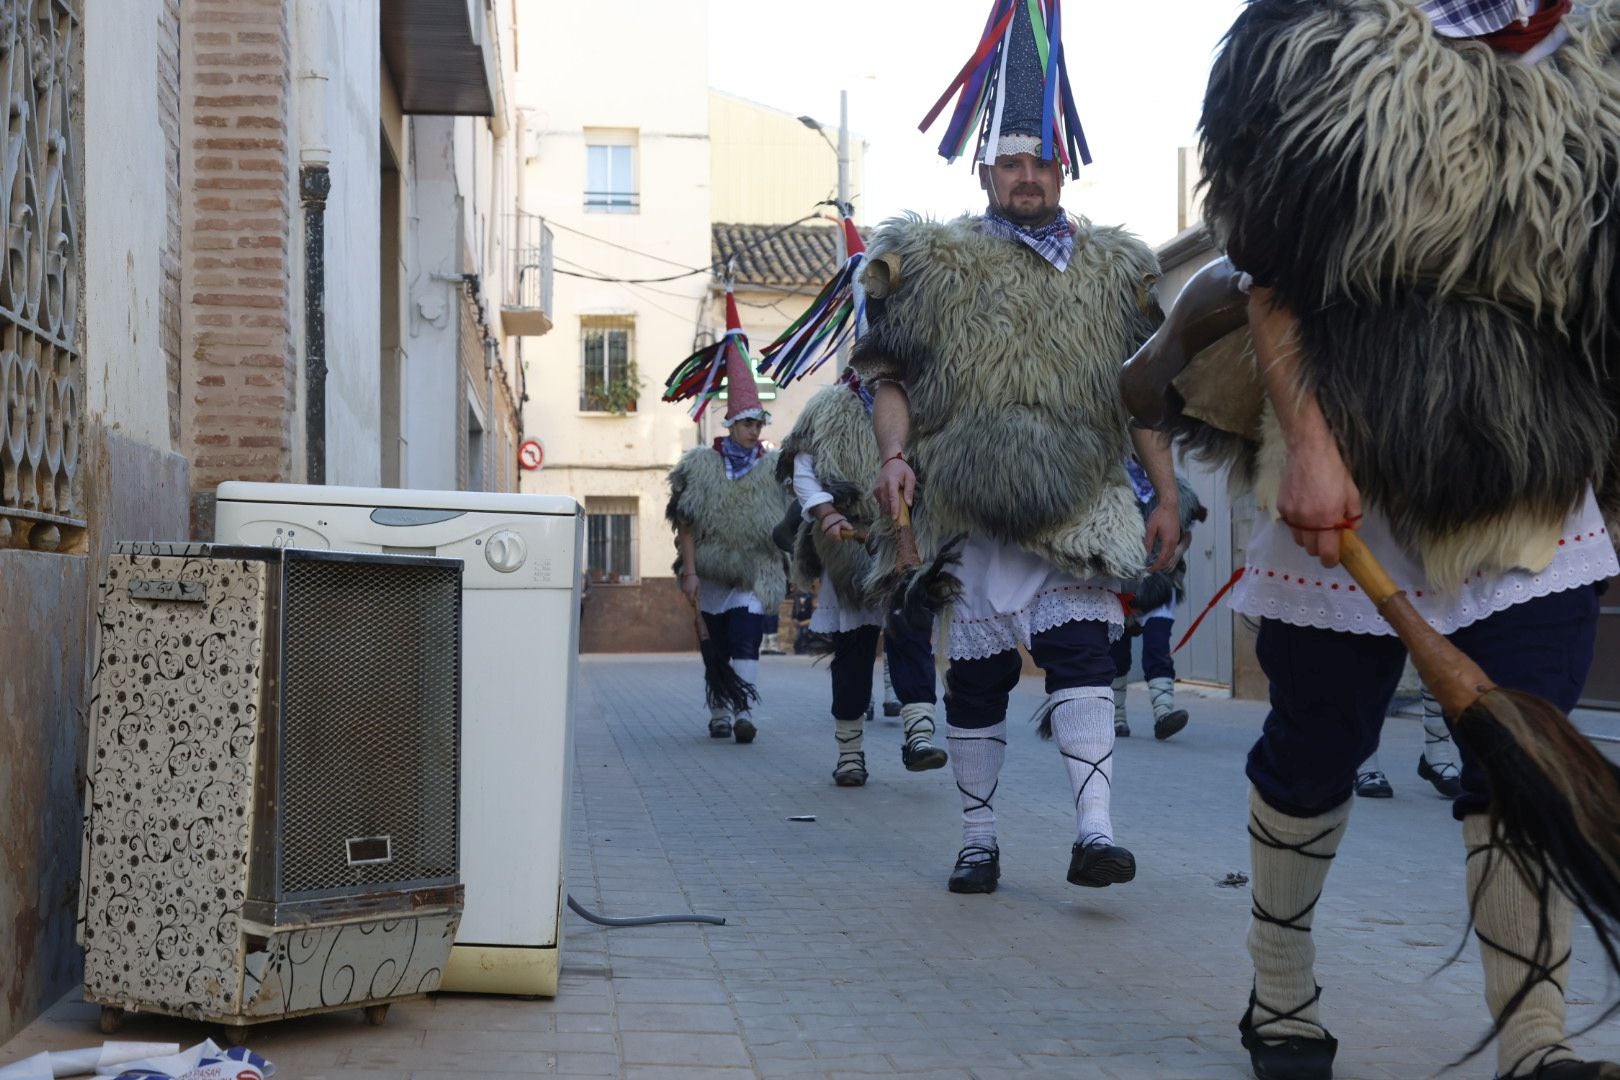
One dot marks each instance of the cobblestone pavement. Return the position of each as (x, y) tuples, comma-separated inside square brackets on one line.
[(844, 956)]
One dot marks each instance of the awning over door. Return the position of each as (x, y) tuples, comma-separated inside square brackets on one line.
[(441, 56)]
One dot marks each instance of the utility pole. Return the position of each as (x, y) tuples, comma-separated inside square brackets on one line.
[(843, 199), (843, 165)]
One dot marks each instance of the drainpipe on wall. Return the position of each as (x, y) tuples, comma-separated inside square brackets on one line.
[(314, 184)]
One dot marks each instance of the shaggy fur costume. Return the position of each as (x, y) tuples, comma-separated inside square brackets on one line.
[(731, 522), (1017, 430), (836, 429), (1441, 220)]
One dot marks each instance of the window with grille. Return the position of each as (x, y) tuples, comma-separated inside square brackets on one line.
[(610, 172), (607, 380), (610, 540)]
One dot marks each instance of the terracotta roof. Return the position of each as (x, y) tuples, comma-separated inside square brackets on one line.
[(796, 257)]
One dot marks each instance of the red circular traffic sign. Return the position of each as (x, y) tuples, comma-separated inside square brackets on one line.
[(531, 455)]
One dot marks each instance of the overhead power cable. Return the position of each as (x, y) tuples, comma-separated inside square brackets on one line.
[(711, 268)]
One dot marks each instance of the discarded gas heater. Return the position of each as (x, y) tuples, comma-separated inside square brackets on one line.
[(271, 823)]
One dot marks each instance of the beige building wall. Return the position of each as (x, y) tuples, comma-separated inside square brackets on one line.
[(593, 455), (766, 166)]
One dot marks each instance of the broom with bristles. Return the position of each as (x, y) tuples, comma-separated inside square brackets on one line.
[(723, 688), (1555, 800)]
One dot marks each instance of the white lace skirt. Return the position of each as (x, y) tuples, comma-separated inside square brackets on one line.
[(1009, 595), (830, 618), (1282, 581)]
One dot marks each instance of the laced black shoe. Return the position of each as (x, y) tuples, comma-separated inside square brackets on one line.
[(1290, 1057), (1373, 784), (977, 870), (1168, 724), (1097, 865), (744, 730), (1444, 777), (851, 769)]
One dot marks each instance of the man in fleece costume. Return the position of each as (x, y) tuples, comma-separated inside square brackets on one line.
[(724, 500), (829, 460), (1424, 197), (993, 349)]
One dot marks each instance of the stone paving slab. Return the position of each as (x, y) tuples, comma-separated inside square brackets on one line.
[(844, 955)]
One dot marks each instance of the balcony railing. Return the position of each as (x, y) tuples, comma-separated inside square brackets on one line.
[(527, 310)]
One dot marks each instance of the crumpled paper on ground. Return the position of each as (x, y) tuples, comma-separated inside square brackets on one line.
[(144, 1061), (205, 1061), (109, 1057)]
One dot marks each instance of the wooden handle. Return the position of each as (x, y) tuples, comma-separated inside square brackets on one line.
[(1365, 568), (1454, 679), (908, 556)]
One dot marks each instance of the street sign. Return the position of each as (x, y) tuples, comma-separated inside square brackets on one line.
[(532, 454)]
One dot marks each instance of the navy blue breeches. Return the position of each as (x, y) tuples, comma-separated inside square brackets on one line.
[(1330, 692), (1074, 654), (911, 669)]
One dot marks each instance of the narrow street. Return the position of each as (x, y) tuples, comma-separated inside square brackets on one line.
[(844, 956)]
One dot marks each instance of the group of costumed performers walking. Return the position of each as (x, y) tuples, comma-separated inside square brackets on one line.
[(1408, 351)]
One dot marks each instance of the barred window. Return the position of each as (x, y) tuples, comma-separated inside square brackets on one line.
[(606, 382), (610, 540)]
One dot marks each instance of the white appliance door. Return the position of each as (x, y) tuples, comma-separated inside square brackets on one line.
[(515, 755)]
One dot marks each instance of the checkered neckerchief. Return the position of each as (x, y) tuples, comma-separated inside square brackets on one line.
[(1054, 242), (1475, 18), (739, 461)]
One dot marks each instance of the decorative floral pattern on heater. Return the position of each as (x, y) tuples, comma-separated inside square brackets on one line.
[(173, 746), (329, 966)]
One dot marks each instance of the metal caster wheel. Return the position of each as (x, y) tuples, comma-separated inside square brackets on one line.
[(112, 1020), (376, 1015)]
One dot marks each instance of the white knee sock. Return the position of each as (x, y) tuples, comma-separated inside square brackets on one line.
[(1438, 749), (1290, 858), (748, 671), (1083, 726), (1119, 702), (917, 724), (1162, 696), (976, 758), (849, 734), (1507, 921)]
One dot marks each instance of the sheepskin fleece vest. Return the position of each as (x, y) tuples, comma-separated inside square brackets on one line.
[(1017, 430), (1441, 219), (836, 430), (731, 522)]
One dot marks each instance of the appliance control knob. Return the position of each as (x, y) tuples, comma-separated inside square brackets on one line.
[(506, 551)]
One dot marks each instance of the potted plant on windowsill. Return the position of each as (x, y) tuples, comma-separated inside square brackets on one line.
[(618, 397)]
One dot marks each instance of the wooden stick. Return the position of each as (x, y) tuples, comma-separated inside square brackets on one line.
[(908, 556), (1455, 680)]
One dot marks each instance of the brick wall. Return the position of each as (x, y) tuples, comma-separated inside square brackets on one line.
[(169, 258), (239, 219)]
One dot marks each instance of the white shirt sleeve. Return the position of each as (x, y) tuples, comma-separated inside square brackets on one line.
[(806, 487)]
